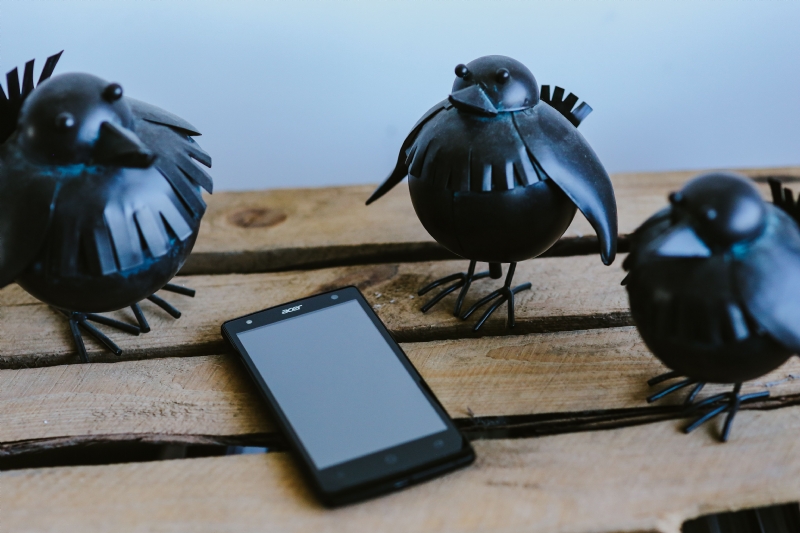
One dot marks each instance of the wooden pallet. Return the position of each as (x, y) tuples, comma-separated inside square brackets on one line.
[(565, 441)]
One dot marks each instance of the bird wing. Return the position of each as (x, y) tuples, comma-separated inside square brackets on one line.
[(401, 169), (25, 205), (567, 159), (170, 138), (768, 278)]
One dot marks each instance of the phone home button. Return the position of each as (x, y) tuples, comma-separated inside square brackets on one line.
[(390, 459)]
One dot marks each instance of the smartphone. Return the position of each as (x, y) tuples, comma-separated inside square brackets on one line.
[(358, 416)]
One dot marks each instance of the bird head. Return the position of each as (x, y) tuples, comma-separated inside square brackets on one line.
[(494, 84), (713, 213), (80, 119)]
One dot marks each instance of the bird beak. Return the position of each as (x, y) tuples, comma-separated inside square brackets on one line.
[(474, 100), (681, 241), (118, 146)]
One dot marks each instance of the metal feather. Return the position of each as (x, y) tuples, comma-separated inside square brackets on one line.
[(565, 105), (783, 198), (11, 101)]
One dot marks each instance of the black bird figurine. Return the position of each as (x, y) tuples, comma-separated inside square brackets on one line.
[(100, 203), (496, 172), (714, 288)]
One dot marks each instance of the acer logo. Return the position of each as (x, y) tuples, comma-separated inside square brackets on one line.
[(291, 309)]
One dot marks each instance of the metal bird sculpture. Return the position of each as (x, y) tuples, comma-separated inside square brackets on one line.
[(496, 172), (714, 288), (100, 202)]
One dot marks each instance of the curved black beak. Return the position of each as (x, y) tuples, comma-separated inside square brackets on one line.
[(474, 100), (118, 146)]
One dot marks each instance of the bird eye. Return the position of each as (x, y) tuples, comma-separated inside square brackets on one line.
[(64, 121), (675, 198), (112, 92), (502, 75), (462, 71), (710, 214)]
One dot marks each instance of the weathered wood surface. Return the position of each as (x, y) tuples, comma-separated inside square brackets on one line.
[(644, 478), (568, 293), (572, 370), (260, 231), (570, 373)]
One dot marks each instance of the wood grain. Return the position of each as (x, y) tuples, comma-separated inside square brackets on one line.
[(645, 478), (262, 231), (568, 293), (552, 375), (567, 373)]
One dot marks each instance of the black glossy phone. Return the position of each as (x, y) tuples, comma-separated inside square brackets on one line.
[(357, 414)]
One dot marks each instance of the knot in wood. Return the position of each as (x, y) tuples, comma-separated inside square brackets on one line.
[(257, 217)]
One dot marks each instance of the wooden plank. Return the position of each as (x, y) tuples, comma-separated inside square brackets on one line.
[(644, 478), (261, 231), (567, 373), (180, 395), (568, 293)]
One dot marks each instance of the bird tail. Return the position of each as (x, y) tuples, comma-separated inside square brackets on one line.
[(11, 104), (784, 198), (565, 105)]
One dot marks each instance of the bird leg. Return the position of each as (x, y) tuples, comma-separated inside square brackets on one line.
[(698, 386), (81, 320), (734, 400), (137, 312), (163, 304), (503, 294), (462, 279), (78, 321)]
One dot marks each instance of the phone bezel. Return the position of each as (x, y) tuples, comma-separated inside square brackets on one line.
[(374, 473)]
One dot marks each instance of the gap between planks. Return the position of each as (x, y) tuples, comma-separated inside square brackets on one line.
[(496, 386), (275, 230), (644, 478)]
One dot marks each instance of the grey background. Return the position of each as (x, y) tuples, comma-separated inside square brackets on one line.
[(309, 93), (340, 385)]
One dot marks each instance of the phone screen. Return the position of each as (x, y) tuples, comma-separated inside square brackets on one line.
[(341, 386)]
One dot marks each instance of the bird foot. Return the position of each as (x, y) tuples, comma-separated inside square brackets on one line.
[(462, 280), (163, 304), (698, 386), (732, 401), (502, 295), (78, 321)]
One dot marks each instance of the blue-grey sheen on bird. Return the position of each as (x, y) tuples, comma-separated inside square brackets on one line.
[(714, 289), (100, 201), (496, 173)]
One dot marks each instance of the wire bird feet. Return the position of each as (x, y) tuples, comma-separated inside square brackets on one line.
[(81, 321), (462, 279), (502, 295), (730, 401), (465, 279)]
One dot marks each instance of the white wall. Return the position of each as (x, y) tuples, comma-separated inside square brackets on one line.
[(316, 93)]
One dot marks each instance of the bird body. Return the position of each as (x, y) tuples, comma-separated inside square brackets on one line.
[(497, 171), (116, 236), (714, 282), (100, 202), (477, 192)]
